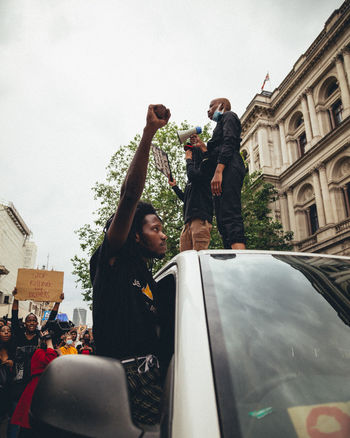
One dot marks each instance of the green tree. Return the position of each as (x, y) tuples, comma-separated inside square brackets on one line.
[(157, 191), (262, 231)]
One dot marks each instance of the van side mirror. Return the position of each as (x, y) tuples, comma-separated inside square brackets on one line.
[(83, 396)]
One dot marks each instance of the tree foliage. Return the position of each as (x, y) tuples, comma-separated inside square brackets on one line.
[(262, 231)]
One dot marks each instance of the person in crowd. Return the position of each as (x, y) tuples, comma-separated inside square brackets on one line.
[(225, 165), (127, 307), (198, 201), (68, 345), (26, 342), (74, 335), (86, 347), (6, 372), (40, 359)]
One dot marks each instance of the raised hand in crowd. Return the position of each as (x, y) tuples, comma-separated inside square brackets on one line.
[(198, 142)]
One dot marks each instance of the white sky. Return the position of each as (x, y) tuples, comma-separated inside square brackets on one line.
[(76, 77)]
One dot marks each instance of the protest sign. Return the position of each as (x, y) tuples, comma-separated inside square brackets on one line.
[(161, 161), (39, 285)]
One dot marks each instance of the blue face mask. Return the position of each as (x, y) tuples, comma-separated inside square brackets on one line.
[(218, 114), (69, 342)]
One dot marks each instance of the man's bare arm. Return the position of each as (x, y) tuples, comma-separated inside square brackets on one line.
[(133, 185)]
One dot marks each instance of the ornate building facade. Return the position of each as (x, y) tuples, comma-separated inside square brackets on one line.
[(299, 137), (16, 251)]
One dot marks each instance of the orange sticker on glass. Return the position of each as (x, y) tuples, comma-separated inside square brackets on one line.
[(331, 420)]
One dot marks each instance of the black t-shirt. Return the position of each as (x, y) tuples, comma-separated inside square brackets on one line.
[(126, 315)]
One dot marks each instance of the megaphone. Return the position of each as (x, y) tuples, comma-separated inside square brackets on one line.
[(184, 135)]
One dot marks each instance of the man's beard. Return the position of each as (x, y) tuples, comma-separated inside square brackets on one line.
[(148, 254)]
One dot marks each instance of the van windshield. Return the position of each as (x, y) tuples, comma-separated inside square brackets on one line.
[(280, 342)]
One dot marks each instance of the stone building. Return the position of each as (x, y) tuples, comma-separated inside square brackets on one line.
[(299, 137), (16, 251)]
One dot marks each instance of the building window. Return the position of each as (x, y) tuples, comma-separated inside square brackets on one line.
[(346, 193), (6, 299), (331, 89), (299, 121), (312, 219), (257, 161), (301, 140), (336, 114)]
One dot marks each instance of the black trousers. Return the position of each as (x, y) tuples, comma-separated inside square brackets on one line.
[(228, 207)]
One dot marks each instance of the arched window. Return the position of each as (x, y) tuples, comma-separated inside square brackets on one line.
[(299, 121), (301, 140), (296, 131), (332, 87), (330, 97)]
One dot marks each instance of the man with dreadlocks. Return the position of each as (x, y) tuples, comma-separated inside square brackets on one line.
[(126, 304)]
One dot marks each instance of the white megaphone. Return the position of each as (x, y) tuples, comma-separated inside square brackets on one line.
[(184, 135)]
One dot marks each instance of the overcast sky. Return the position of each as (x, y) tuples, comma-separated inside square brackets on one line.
[(76, 77)]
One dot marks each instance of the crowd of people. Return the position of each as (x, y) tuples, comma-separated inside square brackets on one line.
[(25, 351), (133, 321)]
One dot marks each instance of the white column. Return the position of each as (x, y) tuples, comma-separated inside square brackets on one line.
[(333, 195), (264, 152), (291, 210), (276, 147), (307, 123), (346, 57), (325, 195), (343, 85), (290, 147), (284, 211), (318, 199), (283, 144), (314, 120), (251, 154), (300, 224)]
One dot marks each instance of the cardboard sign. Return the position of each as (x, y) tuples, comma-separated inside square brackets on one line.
[(161, 161), (39, 285), (330, 420)]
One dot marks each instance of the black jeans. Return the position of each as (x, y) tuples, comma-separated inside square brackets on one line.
[(228, 208)]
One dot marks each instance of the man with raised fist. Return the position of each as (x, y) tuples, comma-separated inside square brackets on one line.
[(128, 320)]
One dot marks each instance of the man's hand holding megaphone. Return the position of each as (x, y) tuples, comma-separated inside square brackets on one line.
[(196, 141)]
